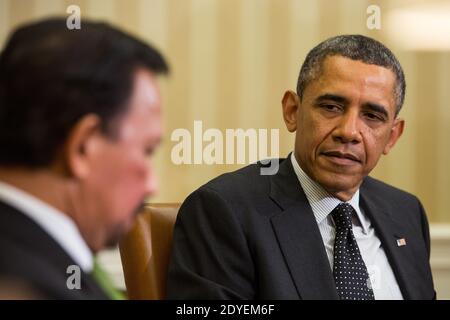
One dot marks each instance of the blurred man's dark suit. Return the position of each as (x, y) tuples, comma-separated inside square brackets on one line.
[(28, 253), (245, 235)]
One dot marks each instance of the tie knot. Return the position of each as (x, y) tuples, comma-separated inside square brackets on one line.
[(342, 216), (104, 281)]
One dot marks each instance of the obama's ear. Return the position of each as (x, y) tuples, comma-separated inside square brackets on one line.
[(290, 104), (395, 134)]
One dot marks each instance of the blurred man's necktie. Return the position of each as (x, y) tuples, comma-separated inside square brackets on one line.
[(104, 281)]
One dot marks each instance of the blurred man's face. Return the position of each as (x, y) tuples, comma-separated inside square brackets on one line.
[(344, 122), (122, 174)]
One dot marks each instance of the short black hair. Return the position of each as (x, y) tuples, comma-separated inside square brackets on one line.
[(50, 77), (355, 47)]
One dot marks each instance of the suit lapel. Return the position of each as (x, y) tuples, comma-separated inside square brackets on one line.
[(30, 237), (388, 230), (299, 237), (302, 245)]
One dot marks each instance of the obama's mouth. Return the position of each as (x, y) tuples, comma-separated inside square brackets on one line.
[(341, 158)]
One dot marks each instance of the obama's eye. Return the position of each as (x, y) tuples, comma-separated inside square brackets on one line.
[(331, 107), (372, 116)]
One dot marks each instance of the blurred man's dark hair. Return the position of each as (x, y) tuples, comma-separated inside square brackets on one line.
[(80, 117), (51, 76)]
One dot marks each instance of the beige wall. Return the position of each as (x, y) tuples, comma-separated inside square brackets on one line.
[(233, 59)]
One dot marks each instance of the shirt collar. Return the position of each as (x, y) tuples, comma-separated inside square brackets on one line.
[(322, 202), (58, 225)]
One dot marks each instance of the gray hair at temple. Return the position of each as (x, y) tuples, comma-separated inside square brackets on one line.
[(355, 47)]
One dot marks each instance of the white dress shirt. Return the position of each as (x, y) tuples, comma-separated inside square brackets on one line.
[(384, 284), (55, 223)]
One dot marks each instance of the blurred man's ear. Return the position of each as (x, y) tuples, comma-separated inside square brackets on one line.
[(83, 142), (290, 104)]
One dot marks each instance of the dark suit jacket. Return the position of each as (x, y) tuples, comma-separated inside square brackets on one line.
[(248, 236), (29, 256)]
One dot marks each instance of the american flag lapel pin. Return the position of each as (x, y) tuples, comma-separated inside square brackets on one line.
[(401, 242)]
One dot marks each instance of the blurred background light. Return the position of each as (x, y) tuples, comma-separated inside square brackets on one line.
[(428, 26)]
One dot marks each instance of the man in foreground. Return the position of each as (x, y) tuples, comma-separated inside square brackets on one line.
[(80, 116)]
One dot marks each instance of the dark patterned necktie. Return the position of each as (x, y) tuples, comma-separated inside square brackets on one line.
[(350, 272)]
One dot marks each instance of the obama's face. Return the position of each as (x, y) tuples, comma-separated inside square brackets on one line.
[(344, 121)]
